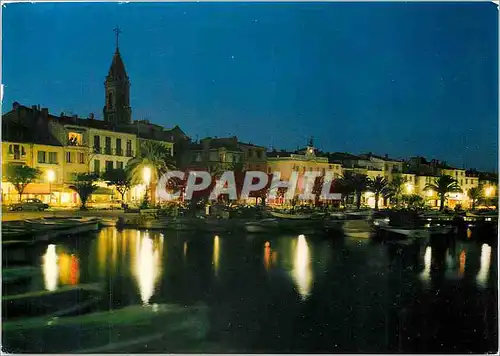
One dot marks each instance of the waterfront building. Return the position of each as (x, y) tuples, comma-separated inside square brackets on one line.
[(215, 155), (308, 159), (29, 143)]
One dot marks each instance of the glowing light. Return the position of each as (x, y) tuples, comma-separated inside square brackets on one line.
[(50, 268), (484, 270), (216, 255), (430, 193), (267, 255), (409, 188), (185, 248), (488, 191), (425, 275), (146, 175), (469, 233), (51, 176), (147, 269), (461, 268), (302, 271)]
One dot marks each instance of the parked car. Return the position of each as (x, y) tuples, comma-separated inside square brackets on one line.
[(29, 204)]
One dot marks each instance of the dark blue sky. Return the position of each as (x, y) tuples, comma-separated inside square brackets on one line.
[(398, 78)]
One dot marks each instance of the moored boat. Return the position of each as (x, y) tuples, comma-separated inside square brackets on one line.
[(47, 228), (290, 216), (263, 225)]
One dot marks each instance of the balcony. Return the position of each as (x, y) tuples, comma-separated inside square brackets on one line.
[(108, 151), (97, 149), (16, 156), (119, 152), (129, 153)]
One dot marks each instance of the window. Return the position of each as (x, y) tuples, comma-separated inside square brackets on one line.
[(17, 151), (68, 157), (53, 157), (81, 157), (456, 173), (107, 148), (119, 165), (97, 166), (97, 141), (466, 181), (129, 148), (250, 152), (109, 165), (75, 139), (262, 154), (110, 100), (234, 159), (119, 146), (42, 156), (461, 181)]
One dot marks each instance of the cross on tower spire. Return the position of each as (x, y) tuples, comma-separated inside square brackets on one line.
[(117, 31)]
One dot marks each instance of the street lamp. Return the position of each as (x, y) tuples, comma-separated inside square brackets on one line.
[(146, 177), (51, 176), (488, 191)]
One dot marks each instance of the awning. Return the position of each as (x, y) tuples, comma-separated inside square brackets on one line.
[(42, 188), (103, 191)]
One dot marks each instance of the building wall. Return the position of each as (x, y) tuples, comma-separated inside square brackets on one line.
[(116, 153)]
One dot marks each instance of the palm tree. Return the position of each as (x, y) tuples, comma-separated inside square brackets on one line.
[(396, 188), (378, 185), (475, 195), (343, 186), (356, 183), (85, 185), (442, 186), (153, 155)]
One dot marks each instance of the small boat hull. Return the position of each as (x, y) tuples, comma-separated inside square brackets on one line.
[(290, 216)]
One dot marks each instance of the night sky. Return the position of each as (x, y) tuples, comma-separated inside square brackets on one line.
[(399, 78)]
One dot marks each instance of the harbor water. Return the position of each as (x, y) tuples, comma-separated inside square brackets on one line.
[(280, 293)]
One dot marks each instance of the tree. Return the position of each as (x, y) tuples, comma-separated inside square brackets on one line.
[(475, 195), (413, 201), (85, 185), (396, 188), (356, 183), (442, 186), (20, 176), (378, 186), (153, 155), (119, 178)]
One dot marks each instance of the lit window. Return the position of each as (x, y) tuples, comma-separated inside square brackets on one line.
[(74, 139)]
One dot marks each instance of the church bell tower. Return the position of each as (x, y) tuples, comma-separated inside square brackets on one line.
[(117, 108)]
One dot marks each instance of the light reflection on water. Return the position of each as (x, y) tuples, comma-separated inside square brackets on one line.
[(302, 271), (484, 270), (147, 267), (59, 268), (216, 255), (141, 251), (425, 275), (50, 268)]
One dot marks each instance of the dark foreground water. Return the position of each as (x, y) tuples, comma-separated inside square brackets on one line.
[(291, 293)]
